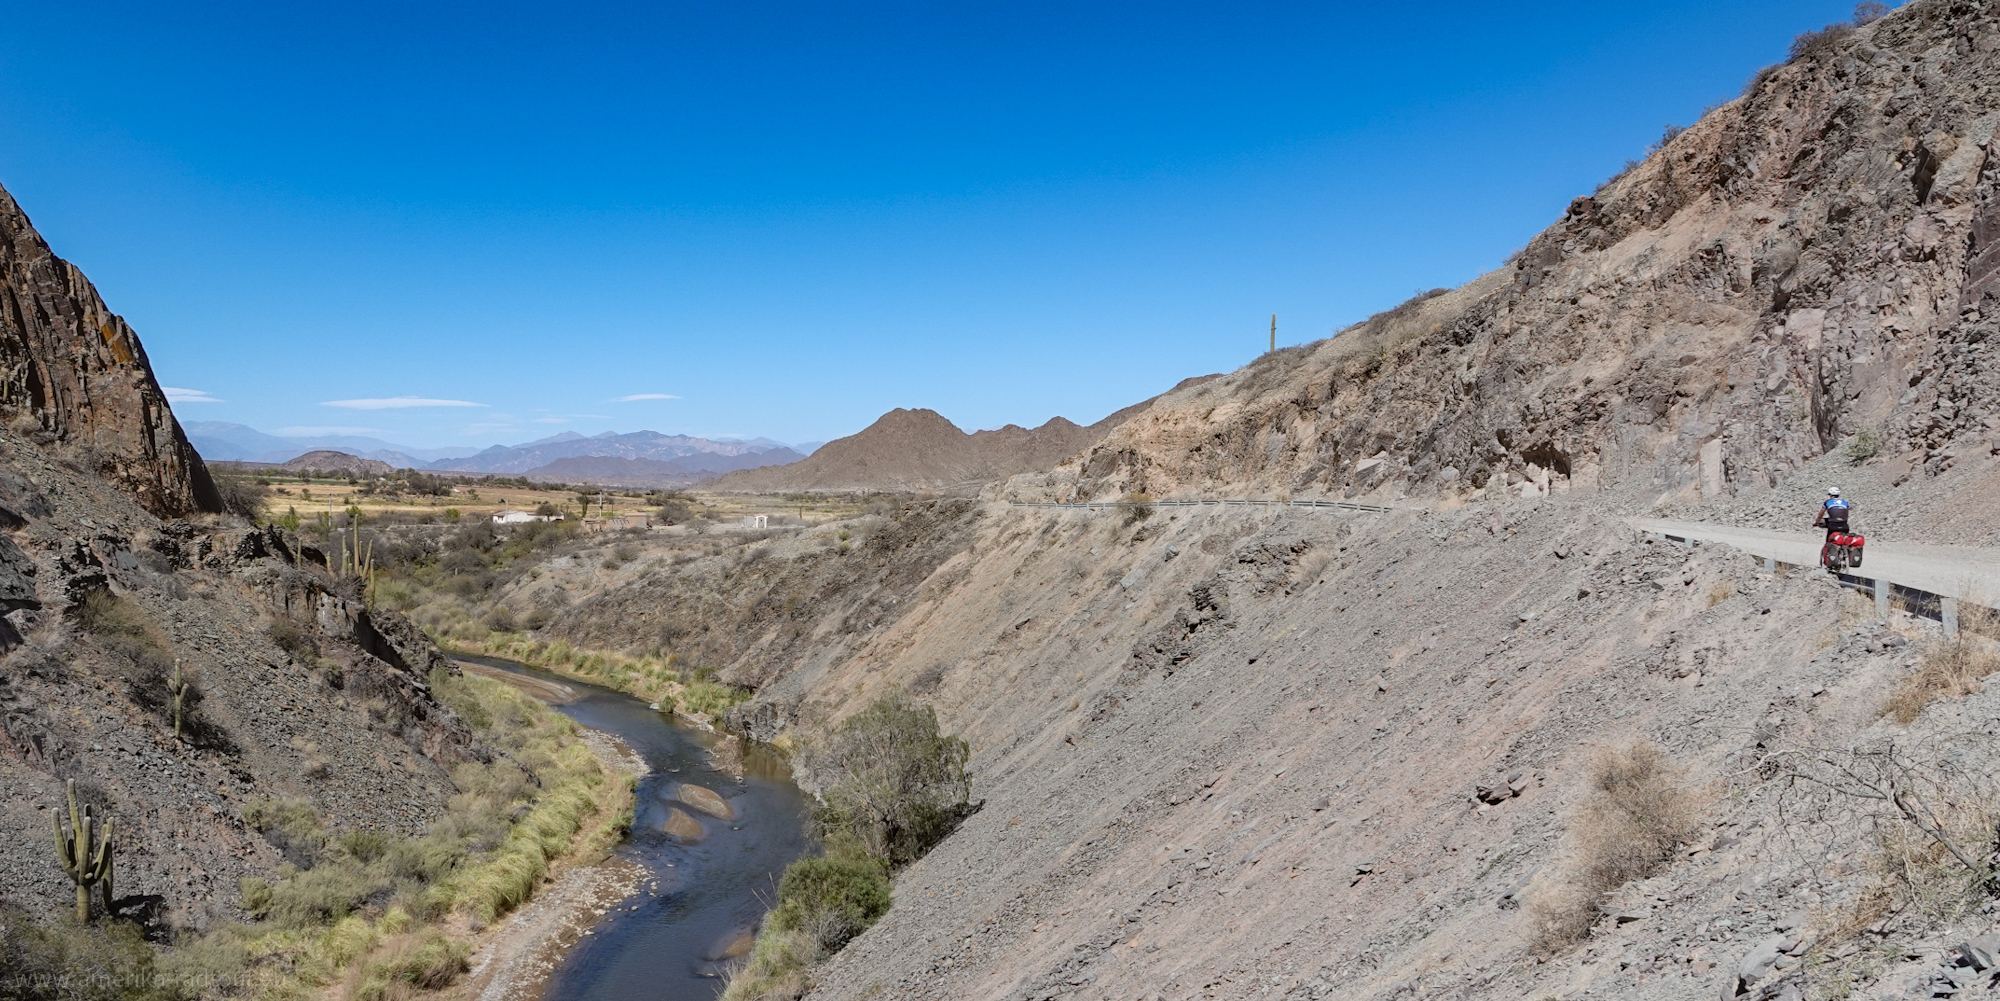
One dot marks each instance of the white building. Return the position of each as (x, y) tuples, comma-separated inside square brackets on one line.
[(512, 517)]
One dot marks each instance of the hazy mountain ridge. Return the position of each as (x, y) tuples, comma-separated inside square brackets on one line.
[(693, 458), (222, 440), (613, 470), (634, 445)]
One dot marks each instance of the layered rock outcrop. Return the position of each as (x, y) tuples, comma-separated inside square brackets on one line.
[(74, 377)]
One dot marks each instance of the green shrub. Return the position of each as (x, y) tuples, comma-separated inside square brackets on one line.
[(319, 896), (1864, 446), (833, 898), (256, 896), (893, 783), (711, 697)]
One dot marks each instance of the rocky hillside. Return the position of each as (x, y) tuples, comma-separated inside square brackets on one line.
[(329, 461), (112, 578), (1808, 263), (919, 450), (1235, 752)]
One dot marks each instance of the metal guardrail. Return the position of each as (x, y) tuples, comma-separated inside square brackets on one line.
[(1117, 505), (1940, 608)]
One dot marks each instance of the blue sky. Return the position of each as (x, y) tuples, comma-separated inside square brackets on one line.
[(783, 219)]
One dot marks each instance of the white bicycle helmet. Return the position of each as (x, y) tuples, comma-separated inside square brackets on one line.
[(1833, 491)]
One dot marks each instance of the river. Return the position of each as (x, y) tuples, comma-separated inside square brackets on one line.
[(705, 893)]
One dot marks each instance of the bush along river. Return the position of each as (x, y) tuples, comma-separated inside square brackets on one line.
[(713, 842)]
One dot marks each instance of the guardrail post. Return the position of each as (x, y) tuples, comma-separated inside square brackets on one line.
[(1948, 614), (1882, 597)]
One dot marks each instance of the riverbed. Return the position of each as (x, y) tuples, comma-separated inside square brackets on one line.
[(709, 882)]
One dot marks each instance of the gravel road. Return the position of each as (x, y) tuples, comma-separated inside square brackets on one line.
[(1963, 572)]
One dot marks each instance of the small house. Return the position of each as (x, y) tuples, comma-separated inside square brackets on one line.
[(512, 517)]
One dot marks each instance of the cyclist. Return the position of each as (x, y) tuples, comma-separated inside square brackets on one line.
[(1832, 516)]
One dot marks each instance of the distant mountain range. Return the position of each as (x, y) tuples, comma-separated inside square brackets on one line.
[(223, 441), (638, 458), (688, 470), (694, 454)]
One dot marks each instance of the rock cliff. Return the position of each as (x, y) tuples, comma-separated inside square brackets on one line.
[(74, 378)]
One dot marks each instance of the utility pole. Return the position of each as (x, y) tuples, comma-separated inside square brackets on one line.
[(1274, 331)]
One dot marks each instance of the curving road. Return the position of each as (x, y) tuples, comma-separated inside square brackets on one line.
[(1963, 572)]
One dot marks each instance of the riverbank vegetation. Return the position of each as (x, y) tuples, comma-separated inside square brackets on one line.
[(656, 678), (891, 787), (381, 914), (358, 913)]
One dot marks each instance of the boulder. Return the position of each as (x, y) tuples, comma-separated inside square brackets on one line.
[(1760, 961), (706, 800), (682, 826), (1982, 953)]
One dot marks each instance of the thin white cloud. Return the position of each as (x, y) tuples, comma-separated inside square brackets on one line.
[(175, 394), (552, 419), (316, 431), (397, 403), (645, 396)]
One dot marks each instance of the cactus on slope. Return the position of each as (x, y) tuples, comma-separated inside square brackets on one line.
[(74, 852), (177, 686)]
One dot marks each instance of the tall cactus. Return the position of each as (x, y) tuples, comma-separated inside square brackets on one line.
[(177, 686), (74, 853)]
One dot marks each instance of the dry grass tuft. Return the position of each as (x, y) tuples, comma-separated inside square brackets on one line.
[(1952, 668), (1640, 808)]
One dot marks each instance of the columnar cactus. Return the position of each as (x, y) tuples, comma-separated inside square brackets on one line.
[(177, 686), (74, 853)]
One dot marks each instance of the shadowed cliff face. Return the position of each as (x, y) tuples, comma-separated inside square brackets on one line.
[(1812, 261), (74, 378)]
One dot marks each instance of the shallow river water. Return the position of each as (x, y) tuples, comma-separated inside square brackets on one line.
[(668, 942)]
